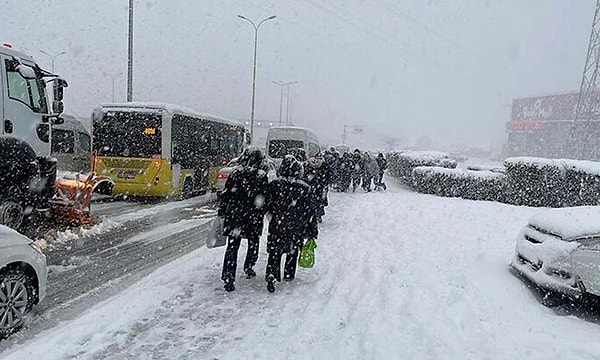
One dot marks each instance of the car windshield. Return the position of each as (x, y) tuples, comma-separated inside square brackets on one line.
[(425, 179), (281, 148)]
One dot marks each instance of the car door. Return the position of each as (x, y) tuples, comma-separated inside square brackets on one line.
[(25, 106), (586, 264)]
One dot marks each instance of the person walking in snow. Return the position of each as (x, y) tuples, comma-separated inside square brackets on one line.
[(293, 220), (346, 171), (241, 204), (358, 170), (316, 175), (382, 165), (370, 171)]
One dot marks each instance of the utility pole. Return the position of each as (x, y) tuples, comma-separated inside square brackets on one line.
[(282, 85), (584, 135), (130, 55)]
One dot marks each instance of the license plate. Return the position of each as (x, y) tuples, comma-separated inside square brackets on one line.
[(126, 175)]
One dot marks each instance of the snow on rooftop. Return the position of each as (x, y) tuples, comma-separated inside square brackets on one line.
[(172, 108)]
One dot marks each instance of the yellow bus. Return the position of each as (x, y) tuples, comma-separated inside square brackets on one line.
[(162, 150)]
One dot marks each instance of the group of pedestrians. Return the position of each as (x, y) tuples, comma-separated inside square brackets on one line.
[(357, 169), (293, 203)]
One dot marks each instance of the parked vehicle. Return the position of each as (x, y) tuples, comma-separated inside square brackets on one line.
[(162, 150), (23, 276), (284, 140), (223, 174), (71, 145), (559, 250)]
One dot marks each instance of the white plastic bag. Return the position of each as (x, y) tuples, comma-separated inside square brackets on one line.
[(215, 234)]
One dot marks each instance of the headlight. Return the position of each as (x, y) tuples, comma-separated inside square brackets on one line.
[(35, 246)]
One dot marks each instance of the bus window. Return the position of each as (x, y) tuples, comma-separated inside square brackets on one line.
[(63, 141), (128, 134)]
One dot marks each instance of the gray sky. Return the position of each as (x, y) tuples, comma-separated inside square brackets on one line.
[(401, 69)]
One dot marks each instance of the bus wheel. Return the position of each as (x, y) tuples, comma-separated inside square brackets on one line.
[(188, 189), (11, 214)]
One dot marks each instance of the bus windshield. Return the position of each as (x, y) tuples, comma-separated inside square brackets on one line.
[(280, 148), (128, 134)]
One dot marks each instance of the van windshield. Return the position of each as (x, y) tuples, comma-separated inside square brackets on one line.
[(280, 148)]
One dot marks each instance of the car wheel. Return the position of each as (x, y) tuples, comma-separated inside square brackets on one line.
[(16, 300), (11, 214)]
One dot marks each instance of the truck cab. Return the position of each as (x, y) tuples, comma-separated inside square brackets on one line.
[(25, 132)]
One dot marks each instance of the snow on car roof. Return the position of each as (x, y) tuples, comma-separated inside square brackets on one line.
[(569, 223)]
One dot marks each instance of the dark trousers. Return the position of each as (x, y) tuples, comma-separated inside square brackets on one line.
[(379, 178), (289, 269), (231, 255)]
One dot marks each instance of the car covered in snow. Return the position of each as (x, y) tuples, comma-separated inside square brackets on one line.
[(559, 251), (223, 174), (23, 275)]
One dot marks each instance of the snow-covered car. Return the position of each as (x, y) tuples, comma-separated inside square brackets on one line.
[(23, 276), (559, 250), (268, 166)]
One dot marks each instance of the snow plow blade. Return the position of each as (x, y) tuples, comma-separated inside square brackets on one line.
[(73, 196)]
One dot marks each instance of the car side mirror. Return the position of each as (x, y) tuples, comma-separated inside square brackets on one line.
[(58, 107), (58, 87)]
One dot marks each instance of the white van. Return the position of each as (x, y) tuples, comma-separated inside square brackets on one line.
[(283, 140)]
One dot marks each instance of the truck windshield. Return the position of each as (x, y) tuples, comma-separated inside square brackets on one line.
[(128, 134), (280, 148)]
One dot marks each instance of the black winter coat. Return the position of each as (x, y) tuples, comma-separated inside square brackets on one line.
[(242, 202), (293, 219), (382, 163)]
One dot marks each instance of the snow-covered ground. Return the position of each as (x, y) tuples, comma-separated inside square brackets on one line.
[(399, 275)]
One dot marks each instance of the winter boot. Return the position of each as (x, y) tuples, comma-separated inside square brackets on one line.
[(271, 284), (229, 287), (250, 273), (384, 187)]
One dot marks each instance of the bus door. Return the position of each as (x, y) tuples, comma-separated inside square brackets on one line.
[(25, 108)]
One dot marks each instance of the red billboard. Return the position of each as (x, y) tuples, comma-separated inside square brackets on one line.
[(545, 108)]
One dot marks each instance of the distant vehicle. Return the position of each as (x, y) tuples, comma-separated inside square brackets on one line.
[(162, 150), (71, 145), (23, 276), (223, 174), (559, 251), (284, 140)]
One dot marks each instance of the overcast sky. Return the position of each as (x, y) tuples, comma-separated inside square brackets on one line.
[(400, 69)]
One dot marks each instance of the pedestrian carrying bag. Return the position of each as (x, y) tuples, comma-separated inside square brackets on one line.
[(215, 234), (307, 254)]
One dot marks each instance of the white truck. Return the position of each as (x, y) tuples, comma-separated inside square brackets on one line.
[(27, 173)]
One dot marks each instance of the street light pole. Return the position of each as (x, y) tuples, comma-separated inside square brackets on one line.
[(130, 55), (282, 85), (53, 57), (256, 27)]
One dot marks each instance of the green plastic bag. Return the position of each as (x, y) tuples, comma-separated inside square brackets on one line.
[(307, 254)]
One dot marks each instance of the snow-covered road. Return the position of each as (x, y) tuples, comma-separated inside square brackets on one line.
[(399, 275)]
